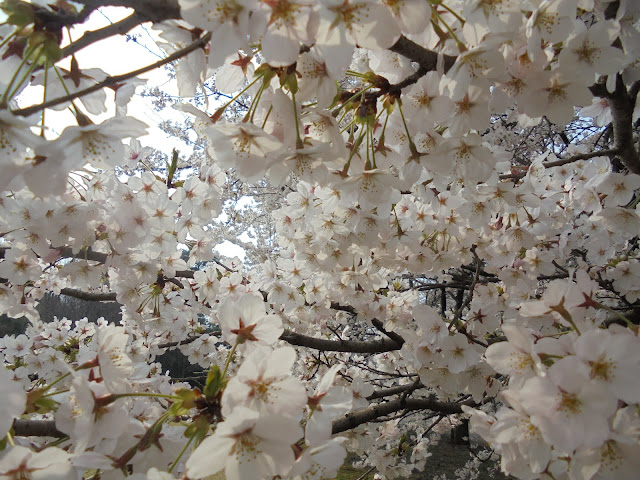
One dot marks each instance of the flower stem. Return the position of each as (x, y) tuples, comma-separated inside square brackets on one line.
[(9, 37), (460, 19), (24, 78), (299, 143), (629, 323), (55, 393), (6, 97), (145, 394), (184, 449), (229, 357), (56, 381), (461, 46), (351, 98), (44, 96)]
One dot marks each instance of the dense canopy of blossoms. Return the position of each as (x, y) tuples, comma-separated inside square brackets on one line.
[(458, 238)]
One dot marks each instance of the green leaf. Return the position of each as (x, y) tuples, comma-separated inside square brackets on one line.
[(172, 167), (19, 13), (216, 382), (38, 403), (266, 72), (49, 47), (198, 429), (188, 399)]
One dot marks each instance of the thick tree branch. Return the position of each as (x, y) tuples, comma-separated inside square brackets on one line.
[(343, 308), (622, 106), (89, 296), (93, 36), (387, 392), (89, 254), (54, 21), (392, 335), (474, 281), (115, 80), (84, 254), (353, 419), (36, 428), (566, 161), (353, 346), (425, 58), (47, 428), (580, 156), (153, 10), (186, 341)]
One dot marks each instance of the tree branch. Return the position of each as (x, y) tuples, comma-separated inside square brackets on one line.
[(392, 335), (580, 156), (467, 301), (36, 428), (353, 419), (47, 428), (111, 81), (565, 161), (425, 58), (89, 296), (84, 254), (353, 346), (621, 104), (119, 28), (186, 341), (387, 392), (153, 10)]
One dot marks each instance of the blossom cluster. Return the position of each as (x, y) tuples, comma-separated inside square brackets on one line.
[(438, 250)]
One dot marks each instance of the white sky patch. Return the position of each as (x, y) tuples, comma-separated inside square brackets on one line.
[(228, 249), (118, 55)]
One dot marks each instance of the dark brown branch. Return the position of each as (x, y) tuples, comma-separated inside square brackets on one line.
[(89, 296), (84, 254), (184, 273), (153, 10), (186, 341), (115, 80), (36, 428), (580, 156), (474, 281), (53, 21), (358, 417), (621, 104), (118, 28), (392, 335), (565, 161), (353, 346), (47, 428), (89, 254), (343, 308), (425, 58), (387, 392)]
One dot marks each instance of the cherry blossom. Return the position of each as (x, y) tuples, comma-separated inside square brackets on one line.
[(21, 462), (247, 445), (245, 320), (326, 403), (14, 400), (438, 207), (266, 384)]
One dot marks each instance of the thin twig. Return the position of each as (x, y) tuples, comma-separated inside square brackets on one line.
[(364, 475), (115, 80), (118, 28)]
